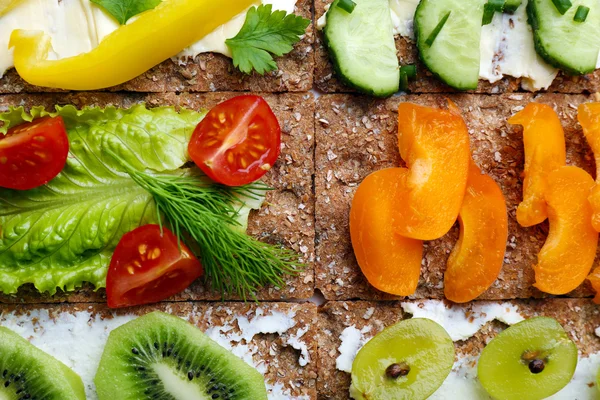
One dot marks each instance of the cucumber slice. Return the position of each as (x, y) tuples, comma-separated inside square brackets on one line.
[(454, 54), (564, 43), (362, 48)]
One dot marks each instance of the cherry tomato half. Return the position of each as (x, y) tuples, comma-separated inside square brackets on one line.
[(148, 266), (32, 154), (237, 142)]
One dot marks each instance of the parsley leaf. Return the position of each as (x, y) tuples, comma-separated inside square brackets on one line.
[(123, 10), (265, 33)]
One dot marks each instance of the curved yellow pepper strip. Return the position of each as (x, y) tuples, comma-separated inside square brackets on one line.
[(129, 51), (7, 5)]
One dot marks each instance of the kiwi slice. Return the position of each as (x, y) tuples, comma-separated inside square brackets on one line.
[(26, 372), (406, 361), (529, 361), (159, 356)]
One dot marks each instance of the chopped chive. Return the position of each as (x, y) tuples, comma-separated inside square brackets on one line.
[(581, 14), (511, 6), (409, 70), (497, 5), (488, 14), (562, 5), (346, 5), (403, 81), (436, 31)]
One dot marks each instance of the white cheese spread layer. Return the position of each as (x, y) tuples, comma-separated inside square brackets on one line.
[(78, 26)]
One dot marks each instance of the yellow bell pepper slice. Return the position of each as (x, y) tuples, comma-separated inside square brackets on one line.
[(129, 51), (7, 5)]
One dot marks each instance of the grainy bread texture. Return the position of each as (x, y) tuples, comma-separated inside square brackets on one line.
[(579, 317), (407, 52), (212, 72), (357, 136), (286, 218), (287, 357)]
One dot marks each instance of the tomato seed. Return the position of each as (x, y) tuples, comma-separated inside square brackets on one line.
[(154, 254), (130, 270), (3, 160), (39, 139), (222, 118), (41, 155), (142, 248)]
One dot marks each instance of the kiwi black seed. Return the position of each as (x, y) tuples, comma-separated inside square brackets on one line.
[(172, 357), (28, 373)]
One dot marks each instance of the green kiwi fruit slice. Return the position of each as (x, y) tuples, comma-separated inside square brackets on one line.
[(406, 361), (160, 356), (528, 361), (28, 373)]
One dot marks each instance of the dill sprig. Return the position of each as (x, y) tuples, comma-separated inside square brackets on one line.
[(196, 207)]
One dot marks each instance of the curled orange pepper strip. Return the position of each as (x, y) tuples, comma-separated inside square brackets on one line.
[(477, 258), (570, 249), (594, 279), (390, 262), (589, 118), (128, 52), (435, 145), (544, 141)]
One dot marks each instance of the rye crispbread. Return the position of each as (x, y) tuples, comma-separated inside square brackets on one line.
[(286, 218), (211, 72), (326, 80), (579, 317), (357, 136), (280, 359)]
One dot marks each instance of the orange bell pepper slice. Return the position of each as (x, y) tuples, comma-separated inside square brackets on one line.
[(434, 144), (478, 256), (390, 262), (594, 279), (570, 249), (544, 141), (589, 118)]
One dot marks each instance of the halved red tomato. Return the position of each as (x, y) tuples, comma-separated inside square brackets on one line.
[(32, 154), (237, 142), (148, 266)]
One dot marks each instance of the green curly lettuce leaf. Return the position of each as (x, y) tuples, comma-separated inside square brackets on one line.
[(64, 233)]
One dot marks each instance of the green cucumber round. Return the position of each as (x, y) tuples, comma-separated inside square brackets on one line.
[(454, 54), (362, 48), (563, 42)]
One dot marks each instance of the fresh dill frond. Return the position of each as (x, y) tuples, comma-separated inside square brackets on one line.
[(206, 212)]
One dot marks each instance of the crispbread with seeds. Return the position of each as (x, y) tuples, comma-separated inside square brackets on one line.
[(579, 317), (76, 335), (211, 72), (287, 217), (326, 81), (357, 136)]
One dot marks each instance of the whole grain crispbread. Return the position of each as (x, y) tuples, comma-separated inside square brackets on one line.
[(357, 136), (211, 72), (287, 217), (279, 353), (326, 80), (579, 317)]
